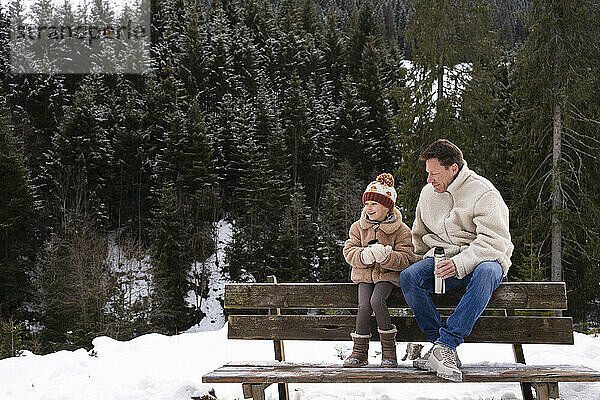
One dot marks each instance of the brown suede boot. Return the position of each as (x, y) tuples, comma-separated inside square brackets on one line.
[(360, 352), (388, 348)]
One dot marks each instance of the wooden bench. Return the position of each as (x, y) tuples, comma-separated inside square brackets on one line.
[(503, 322)]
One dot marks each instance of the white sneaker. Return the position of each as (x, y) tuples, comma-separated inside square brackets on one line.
[(442, 361), (421, 361)]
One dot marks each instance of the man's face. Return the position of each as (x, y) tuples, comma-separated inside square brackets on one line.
[(438, 175)]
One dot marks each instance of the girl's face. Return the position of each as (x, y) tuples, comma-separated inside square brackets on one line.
[(376, 211)]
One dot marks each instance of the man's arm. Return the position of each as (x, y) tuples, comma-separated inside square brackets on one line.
[(492, 242)]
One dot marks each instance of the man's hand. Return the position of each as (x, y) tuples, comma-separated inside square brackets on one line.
[(445, 269)]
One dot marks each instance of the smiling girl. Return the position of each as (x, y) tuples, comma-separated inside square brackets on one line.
[(379, 247)]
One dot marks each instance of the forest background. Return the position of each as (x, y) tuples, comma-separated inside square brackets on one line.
[(273, 117)]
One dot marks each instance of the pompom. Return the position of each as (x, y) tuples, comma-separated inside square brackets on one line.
[(386, 179)]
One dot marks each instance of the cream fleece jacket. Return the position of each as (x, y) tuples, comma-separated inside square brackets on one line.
[(469, 220)]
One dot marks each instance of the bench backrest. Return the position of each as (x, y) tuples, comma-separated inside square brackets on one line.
[(519, 312)]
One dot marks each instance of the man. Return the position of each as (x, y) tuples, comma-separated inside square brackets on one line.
[(466, 215)]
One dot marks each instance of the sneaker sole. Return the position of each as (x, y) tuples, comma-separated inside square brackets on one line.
[(456, 377)]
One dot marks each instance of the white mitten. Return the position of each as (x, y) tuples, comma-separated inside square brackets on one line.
[(381, 252), (366, 256)]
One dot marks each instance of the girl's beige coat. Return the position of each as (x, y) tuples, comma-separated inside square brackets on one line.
[(396, 234)]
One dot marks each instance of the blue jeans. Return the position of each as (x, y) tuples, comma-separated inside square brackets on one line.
[(417, 282)]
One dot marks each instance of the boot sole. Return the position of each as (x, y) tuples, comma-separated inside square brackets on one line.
[(355, 365)]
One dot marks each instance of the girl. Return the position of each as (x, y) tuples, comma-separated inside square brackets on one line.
[(379, 247)]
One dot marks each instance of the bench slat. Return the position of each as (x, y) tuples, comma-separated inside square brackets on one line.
[(516, 329), (330, 373), (509, 295)]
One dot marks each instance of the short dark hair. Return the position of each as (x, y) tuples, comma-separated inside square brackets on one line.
[(445, 151)]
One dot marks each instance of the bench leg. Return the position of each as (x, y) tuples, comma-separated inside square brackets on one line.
[(546, 390), (284, 393), (553, 390), (254, 391), (258, 392), (526, 391)]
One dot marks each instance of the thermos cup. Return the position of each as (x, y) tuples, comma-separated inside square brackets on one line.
[(440, 284)]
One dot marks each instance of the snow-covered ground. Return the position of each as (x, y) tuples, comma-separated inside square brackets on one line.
[(157, 367)]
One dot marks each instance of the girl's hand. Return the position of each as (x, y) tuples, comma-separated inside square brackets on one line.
[(381, 252), (366, 256)]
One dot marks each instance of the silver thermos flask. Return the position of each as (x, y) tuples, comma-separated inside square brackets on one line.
[(440, 284)]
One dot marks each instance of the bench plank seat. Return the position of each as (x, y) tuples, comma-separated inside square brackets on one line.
[(286, 372), (509, 295), (487, 329)]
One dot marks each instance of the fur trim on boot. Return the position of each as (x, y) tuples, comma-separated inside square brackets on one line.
[(388, 347), (360, 352)]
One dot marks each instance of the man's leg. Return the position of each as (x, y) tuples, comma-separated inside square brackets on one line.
[(480, 284), (416, 283)]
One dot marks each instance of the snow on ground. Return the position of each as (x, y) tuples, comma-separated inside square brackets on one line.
[(212, 308), (157, 367)]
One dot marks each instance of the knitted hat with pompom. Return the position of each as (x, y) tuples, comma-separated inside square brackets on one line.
[(382, 191)]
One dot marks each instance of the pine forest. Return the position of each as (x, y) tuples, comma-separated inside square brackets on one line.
[(273, 116)]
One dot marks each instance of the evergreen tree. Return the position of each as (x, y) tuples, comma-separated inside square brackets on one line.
[(364, 27), (79, 156), (378, 141), (261, 21), (167, 32), (341, 206), (294, 120), (555, 140), (193, 63), (17, 242), (4, 50), (334, 51), (244, 61), (443, 37), (218, 59), (131, 166), (170, 266), (223, 147), (487, 108), (297, 254), (349, 131)]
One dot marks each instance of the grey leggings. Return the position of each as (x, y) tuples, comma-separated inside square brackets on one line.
[(372, 297)]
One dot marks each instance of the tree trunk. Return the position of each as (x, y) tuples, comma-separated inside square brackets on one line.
[(440, 79), (556, 265)]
